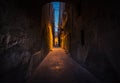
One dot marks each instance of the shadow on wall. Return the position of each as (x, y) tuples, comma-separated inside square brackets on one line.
[(14, 64), (19, 40), (97, 62), (101, 24)]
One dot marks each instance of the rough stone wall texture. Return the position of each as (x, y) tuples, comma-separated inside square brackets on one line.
[(21, 37), (100, 22)]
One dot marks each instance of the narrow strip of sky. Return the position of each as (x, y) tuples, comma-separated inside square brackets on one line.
[(56, 6)]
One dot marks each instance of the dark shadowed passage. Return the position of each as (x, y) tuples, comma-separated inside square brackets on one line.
[(87, 32)]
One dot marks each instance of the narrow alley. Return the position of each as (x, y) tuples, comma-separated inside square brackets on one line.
[(59, 41), (58, 67)]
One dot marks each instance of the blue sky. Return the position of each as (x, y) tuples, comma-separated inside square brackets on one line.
[(56, 14)]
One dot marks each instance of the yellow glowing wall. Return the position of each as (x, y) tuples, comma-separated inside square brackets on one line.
[(50, 35), (64, 41)]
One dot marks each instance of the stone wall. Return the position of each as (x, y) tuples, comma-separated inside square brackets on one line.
[(97, 43), (23, 42)]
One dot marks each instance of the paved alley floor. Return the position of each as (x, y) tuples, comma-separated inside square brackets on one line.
[(58, 67)]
